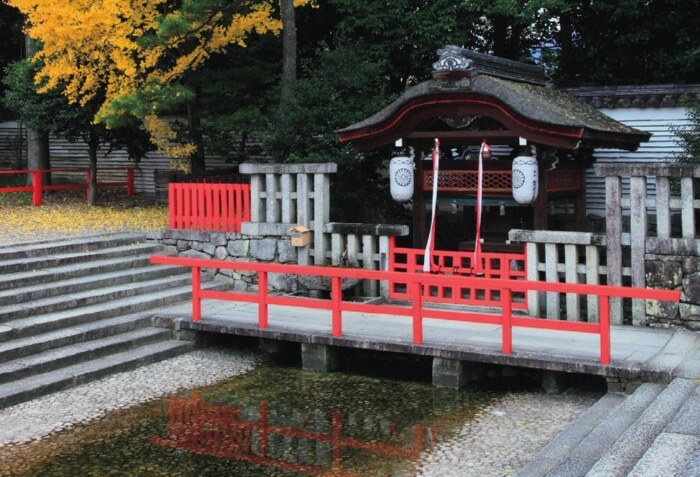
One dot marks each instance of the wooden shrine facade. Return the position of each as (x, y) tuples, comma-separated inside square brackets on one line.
[(473, 98)]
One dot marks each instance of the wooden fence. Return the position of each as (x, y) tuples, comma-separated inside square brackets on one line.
[(216, 207)]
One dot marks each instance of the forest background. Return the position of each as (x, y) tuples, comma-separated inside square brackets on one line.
[(247, 75)]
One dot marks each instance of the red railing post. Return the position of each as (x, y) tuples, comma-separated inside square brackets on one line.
[(336, 440), (196, 294), (262, 427), (336, 304), (262, 297), (129, 181), (506, 326), (37, 188), (417, 301), (604, 315)]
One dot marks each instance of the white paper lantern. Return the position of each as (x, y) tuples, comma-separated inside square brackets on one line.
[(401, 178), (524, 179)]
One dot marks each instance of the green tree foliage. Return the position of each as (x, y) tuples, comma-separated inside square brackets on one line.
[(689, 136), (52, 112), (11, 42)]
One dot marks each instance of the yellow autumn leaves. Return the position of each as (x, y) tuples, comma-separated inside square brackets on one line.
[(74, 216), (90, 47)]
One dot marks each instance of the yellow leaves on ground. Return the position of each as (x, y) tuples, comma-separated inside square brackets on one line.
[(73, 216)]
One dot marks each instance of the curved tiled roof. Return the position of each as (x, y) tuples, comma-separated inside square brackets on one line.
[(532, 107)]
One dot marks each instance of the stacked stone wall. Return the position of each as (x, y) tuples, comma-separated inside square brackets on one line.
[(674, 265), (234, 247)]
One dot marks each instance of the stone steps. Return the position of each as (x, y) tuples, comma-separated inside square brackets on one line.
[(66, 355), (71, 301), (65, 272), (38, 263), (86, 243), (69, 286), (654, 431), (34, 386), (78, 309)]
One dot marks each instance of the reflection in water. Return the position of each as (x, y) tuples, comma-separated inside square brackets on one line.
[(223, 431), (271, 421)]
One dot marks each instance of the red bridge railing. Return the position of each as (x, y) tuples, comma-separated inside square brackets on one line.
[(38, 187), (416, 311), (511, 266), (222, 431), (202, 206)]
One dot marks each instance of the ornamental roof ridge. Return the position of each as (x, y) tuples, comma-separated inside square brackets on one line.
[(455, 61)]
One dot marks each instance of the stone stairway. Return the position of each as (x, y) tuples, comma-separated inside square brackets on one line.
[(655, 431), (78, 309)]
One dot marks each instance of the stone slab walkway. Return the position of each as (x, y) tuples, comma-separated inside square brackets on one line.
[(645, 354)]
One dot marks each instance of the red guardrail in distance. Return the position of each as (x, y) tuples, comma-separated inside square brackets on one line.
[(202, 206), (415, 310), (511, 266), (38, 187)]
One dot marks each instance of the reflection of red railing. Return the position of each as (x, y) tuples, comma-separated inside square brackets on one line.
[(38, 187), (415, 282), (497, 182), (510, 266), (201, 206), (221, 431)]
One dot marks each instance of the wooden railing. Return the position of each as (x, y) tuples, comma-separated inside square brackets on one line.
[(416, 282), (510, 266), (215, 207), (38, 187)]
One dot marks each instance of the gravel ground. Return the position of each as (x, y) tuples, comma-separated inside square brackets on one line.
[(505, 436), (49, 414)]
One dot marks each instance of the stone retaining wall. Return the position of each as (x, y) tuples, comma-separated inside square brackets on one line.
[(673, 265), (234, 246)]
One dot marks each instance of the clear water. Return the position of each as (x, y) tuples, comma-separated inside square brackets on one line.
[(272, 421)]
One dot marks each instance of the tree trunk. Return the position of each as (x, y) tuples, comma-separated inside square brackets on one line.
[(500, 36), (289, 57), (38, 155), (93, 145)]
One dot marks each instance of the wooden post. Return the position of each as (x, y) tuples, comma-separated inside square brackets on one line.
[(580, 203), (613, 237), (663, 217), (573, 300), (551, 272), (638, 232), (533, 297), (687, 208), (369, 249), (592, 278)]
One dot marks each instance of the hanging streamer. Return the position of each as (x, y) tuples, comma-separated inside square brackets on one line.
[(430, 245), (477, 267)]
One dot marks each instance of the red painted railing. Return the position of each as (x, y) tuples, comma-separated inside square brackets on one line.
[(222, 431), (416, 282), (509, 266), (38, 187), (201, 206)]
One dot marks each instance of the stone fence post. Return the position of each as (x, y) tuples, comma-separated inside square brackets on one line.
[(285, 195)]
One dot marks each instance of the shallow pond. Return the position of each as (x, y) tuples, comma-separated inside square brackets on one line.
[(272, 421)]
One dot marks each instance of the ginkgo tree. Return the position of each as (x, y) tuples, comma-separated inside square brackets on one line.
[(132, 55)]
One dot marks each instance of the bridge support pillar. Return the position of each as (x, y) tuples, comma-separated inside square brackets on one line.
[(318, 357), (553, 382), (449, 373)]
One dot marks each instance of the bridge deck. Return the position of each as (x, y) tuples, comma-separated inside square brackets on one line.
[(637, 353)]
